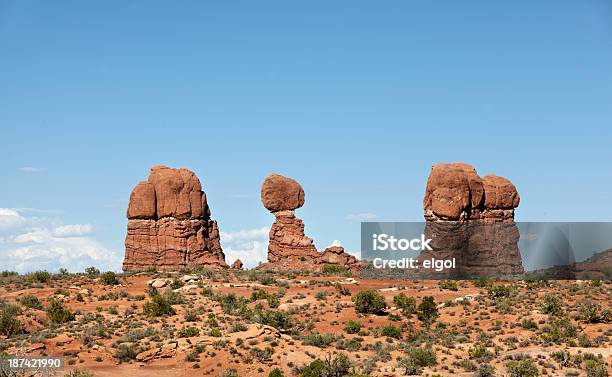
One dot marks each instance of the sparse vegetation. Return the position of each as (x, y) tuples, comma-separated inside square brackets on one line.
[(369, 302)]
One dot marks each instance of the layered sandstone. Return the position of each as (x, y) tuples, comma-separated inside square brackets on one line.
[(169, 224), (455, 192), (471, 219), (289, 247)]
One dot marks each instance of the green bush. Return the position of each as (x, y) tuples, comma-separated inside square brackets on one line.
[(30, 301), (338, 366), (333, 269), (58, 312), (560, 329), (109, 278), (417, 358), (595, 368), (127, 351), (593, 313), (92, 271), (369, 302), (276, 373), (158, 306), (551, 305), (391, 331), (9, 324), (407, 305), (498, 291), (38, 277), (522, 368), (427, 312), (479, 351), (188, 332), (319, 340), (448, 284), (352, 327)]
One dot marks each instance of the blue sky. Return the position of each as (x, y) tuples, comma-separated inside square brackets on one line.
[(356, 100)]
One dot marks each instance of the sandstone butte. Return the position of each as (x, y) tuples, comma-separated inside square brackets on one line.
[(169, 224), (472, 219), (289, 247)]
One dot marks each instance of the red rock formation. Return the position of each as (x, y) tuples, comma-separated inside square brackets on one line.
[(169, 225), (289, 246), (237, 265), (455, 192), (471, 219), (335, 255)]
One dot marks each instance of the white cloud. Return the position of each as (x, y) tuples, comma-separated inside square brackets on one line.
[(31, 243), (75, 230), (31, 169), (359, 217), (248, 245), (335, 243)]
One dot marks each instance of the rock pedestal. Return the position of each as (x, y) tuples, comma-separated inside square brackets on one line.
[(289, 247), (471, 219), (169, 224)]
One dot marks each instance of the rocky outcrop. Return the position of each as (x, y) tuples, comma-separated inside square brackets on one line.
[(471, 219), (455, 192), (237, 265), (337, 256), (169, 224), (289, 247)]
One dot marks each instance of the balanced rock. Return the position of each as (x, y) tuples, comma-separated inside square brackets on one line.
[(169, 224), (471, 219), (279, 193), (289, 247)]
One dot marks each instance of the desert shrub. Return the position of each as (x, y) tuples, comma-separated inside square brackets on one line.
[(38, 277), (188, 332), (485, 370), (352, 327), (278, 319), (262, 354), (427, 311), (591, 312), (158, 306), (333, 269), (78, 373), (58, 312), (276, 373), (482, 283), (560, 329), (9, 324), (522, 368), (127, 352), (176, 283), (229, 373), (479, 351), (407, 305), (498, 291), (369, 302), (334, 366), (6, 274), (417, 358), (448, 284), (109, 278), (344, 291), (92, 271), (232, 304), (391, 331), (319, 340), (595, 368), (30, 301), (215, 332), (551, 305)]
